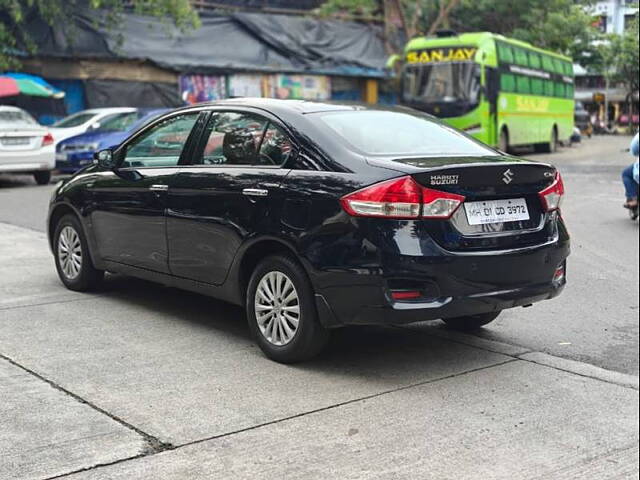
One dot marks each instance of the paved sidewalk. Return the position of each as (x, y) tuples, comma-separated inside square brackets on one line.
[(142, 381)]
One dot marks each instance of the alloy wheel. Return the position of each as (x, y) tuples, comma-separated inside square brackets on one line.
[(277, 308), (69, 252)]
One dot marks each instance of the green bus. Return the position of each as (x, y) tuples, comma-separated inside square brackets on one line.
[(503, 92)]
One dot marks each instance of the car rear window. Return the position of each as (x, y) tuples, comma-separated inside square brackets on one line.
[(396, 133), (74, 120), (12, 118)]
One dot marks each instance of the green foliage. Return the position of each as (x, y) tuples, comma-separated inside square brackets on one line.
[(620, 57), (351, 8), (14, 13)]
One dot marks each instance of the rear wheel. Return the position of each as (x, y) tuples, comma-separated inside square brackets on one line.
[(470, 322), (550, 147), (72, 257), (503, 141), (42, 177), (281, 311)]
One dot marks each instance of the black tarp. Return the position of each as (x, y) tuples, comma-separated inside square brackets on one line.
[(120, 93), (225, 43)]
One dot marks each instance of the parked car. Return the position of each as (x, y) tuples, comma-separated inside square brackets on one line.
[(314, 216), (76, 152), (84, 121), (25, 145)]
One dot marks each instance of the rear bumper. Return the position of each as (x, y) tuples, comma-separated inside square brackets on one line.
[(27, 161), (455, 285)]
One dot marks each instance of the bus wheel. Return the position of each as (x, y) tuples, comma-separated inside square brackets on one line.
[(550, 147), (503, 142)]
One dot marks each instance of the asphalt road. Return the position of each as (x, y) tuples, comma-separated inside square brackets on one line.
[(139, 381), (595, 320)]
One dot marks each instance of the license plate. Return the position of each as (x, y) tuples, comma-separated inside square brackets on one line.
[(16, 141), (61, 157), (496, 211)]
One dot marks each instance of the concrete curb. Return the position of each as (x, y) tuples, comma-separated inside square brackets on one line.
[(582, 369)]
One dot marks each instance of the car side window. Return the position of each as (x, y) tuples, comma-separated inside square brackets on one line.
[(275, 148), (162, 145), (235, 138)]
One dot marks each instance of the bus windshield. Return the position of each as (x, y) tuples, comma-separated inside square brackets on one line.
[(442, 83)]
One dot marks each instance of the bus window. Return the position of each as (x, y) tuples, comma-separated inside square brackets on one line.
[(522, 84), (569, 91), (560, 91), (568, 69), (547, 63), (534, 60), (558, 68), (521, 57), (505, 53), (507, 82), (537, 87), (548, 88)]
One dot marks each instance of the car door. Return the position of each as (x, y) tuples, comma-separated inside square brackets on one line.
[(229, 192), (129, 203)]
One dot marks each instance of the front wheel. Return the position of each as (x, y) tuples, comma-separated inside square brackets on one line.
[(42, 177), (281, 311), (72, 257), (470, 322)]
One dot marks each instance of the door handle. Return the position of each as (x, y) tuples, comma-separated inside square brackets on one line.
[(255, 192), (159, 188)]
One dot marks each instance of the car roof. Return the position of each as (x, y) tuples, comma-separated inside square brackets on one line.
[(109, 110), (10, 108), (291, 106)]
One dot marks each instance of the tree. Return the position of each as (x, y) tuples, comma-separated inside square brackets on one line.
[(559, 25), (16, 42)]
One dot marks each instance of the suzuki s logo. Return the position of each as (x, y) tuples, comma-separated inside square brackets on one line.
[(507, 177)]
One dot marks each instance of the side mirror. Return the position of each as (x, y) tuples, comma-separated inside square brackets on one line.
[(94, 126), (104, 158)]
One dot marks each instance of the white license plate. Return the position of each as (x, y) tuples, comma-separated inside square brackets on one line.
[(16, 141), (61, 157), (496, 211)]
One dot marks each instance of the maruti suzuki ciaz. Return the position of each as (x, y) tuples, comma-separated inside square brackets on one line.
[(314, 216)]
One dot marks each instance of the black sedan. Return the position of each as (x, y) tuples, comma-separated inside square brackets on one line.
[(314, 216)]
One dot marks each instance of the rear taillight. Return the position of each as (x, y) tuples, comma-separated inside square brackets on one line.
[(401, 198), (47, 139), (551, 197), (438, 204), (397, 198)]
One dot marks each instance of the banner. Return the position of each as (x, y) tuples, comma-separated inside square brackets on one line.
[(308, 87), (243, 85), (202, 88)]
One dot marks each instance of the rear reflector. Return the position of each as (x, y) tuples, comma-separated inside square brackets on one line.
[(401, 198), (47, 139), (558, 275), (551, 197), (405, 294)]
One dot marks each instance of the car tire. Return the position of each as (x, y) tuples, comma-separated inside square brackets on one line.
[(42, 177), (470, 322), (73, 260), (503, 141), (280, 300)]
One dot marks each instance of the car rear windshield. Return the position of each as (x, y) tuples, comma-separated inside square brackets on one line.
[(397, 133), (74, 120), (13, 118)]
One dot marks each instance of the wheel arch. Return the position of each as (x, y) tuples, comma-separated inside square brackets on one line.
[(59, 211), (253, 253)]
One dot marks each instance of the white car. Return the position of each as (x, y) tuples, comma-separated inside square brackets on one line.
[(84, 121), (25, 145)]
